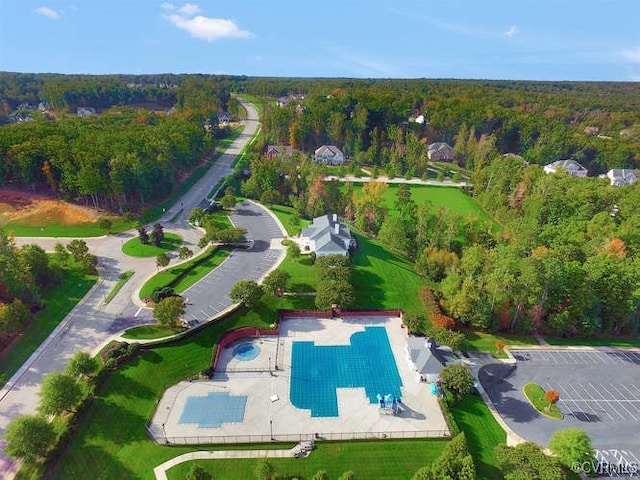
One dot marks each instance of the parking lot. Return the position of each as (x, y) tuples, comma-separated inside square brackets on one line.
[(599, 393)]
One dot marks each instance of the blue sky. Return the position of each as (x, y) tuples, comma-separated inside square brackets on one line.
[(497, 39)]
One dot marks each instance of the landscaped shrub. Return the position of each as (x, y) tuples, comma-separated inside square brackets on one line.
[(160, 294)]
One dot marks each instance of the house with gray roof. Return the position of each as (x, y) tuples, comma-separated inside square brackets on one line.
[(428, 359), (329, 155), (619, 177), (440, 151), (572, 167), (327, 236)]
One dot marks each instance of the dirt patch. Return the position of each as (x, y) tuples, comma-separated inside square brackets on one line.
[(37, 209)]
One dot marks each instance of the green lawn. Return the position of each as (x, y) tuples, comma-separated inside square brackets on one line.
[(483, 434), (303, 275), (595, 342), (134, 248), (186, 274), (486, 342), (289, 219), (384, 280), (148, 332), (453, 198), (58, 300), (79, 230), (111, 441), (389, 459), (535, 395), (124, 278)]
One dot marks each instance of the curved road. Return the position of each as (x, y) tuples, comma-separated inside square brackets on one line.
[(91, 324)]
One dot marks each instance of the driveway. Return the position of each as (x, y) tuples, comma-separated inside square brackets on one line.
[(599, 393), (210, 296), (90, 324)]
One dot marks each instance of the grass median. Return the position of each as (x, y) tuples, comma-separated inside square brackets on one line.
[(135, 248), (535, 394), (186, 274)]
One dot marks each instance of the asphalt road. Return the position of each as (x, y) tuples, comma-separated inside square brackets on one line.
[(599, 393), (91, 324)]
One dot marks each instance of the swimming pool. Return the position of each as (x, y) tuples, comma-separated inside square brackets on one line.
[(214, 409), (317, 371), (246, 351)]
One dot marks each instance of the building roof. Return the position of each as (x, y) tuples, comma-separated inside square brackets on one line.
[(571, 166), (280, 150), (328, 150), (327, 241), (427, 356), (437, 146), (621, 176)]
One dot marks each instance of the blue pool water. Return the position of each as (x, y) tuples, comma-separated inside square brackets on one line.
[(317, 371), (246, 351), (214, 409)]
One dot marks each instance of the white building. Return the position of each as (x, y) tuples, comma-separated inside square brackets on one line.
[(572, 167)]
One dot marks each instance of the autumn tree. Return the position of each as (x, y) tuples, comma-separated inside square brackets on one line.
[(551, 397)]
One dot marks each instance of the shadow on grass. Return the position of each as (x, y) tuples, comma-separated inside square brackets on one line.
[(482, 432), (103, 465)]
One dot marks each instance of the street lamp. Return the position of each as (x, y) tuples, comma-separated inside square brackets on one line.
[(166, 440), (271, 428)]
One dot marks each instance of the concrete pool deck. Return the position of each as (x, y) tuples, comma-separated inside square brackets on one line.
[(269, 414)]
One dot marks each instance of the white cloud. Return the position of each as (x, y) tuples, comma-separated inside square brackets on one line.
[(205, 28), (511, 32), (631, 55), (48, 12)]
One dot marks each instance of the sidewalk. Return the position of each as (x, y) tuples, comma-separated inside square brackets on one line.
[(160, 471)]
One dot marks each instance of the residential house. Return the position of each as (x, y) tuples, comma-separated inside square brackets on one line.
[(572, 167), (282, 102), (428, 359), (591, 130), (619, 177), (275, 151), (329, 155), (327, 236), (440, 151)]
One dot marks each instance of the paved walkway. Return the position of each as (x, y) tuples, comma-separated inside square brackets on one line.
[(161, 470), (409, 181), (91, 323)]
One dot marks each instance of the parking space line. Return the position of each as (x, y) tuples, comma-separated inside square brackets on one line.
[(594, 389), (634, 401), (611, 400), (578, 413), (581, 396), (622, 405)]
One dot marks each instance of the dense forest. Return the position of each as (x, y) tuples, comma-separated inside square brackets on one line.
[(143, 138), (564, 259)]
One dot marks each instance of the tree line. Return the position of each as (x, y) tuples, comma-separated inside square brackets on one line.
[(24, 274)]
